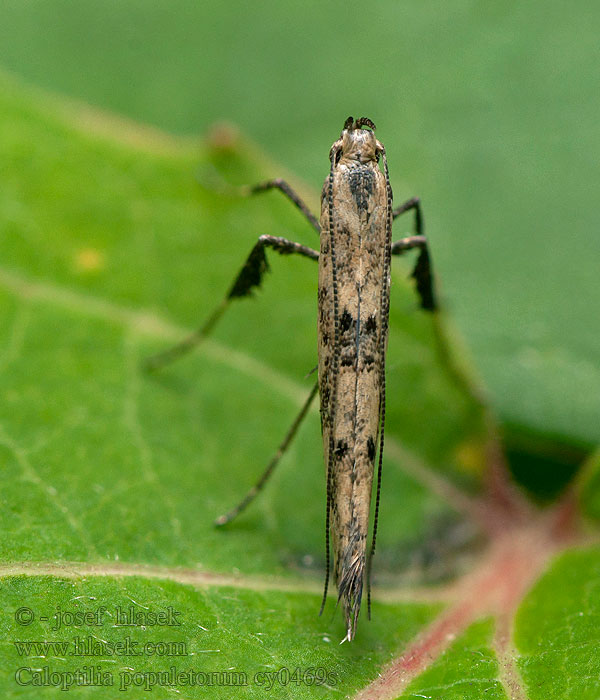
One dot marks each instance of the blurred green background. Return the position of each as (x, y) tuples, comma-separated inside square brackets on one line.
[(489, 112)]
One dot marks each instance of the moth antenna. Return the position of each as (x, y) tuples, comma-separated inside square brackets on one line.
[(384, 330), (348, 124), (364, 121), (334, 374)]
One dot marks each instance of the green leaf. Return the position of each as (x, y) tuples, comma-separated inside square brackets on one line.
[(202, 631), (111, 478), (557, 629)]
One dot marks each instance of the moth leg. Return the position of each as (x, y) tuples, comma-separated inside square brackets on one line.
[(249, 277), (288, 192), (412, 203), (423, 276), (254, 491), (422, 272)]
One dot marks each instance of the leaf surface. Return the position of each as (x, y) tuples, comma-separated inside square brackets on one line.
[(111, 478)]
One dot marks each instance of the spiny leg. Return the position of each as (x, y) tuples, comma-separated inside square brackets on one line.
[(461, 375), (423, 276), (253, 492), (289, 192), (412, 203), (422, 273), (225, 187), (249, 277)]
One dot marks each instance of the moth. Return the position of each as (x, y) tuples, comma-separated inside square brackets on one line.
[(356, 248)]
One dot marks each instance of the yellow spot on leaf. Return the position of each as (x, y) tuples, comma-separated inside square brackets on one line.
[(89, 260), (470, 456)]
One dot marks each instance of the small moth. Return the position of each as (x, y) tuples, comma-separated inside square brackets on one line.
[(356, 246)]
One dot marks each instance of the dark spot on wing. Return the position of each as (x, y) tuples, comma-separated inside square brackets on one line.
[(361, 182), (341, 448), (371, 448), (371, 324), (346, 321), (347, 360)]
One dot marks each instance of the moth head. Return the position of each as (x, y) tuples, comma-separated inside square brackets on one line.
[(357, 142)]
